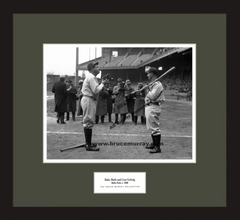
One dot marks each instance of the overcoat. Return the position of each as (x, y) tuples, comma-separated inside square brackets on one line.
[(109, 100), (60, 96), (120, 104), (139, 105), (72, 100), (101, 108), (129, 98)]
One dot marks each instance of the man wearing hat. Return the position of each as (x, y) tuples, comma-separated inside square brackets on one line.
[(153, 100), (71, 99), (139, 108), (109, 101), (101, 109), (90, 90), (60, 96), (129, 98), (120, 105)]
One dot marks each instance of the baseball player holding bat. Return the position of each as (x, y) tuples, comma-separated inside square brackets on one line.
[(153, 100)]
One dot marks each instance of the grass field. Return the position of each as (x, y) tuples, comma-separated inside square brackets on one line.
[(176, 128)]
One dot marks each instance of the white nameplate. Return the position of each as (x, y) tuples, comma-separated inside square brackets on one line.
[(120, 182)]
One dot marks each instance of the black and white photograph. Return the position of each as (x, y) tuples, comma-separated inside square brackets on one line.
[(119, 103)]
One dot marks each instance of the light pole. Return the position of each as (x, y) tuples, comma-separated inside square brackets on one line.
[(76, 74)]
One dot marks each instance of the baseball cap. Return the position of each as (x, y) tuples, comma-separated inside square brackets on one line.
[(91, 65), (80, 81), (149, 69)]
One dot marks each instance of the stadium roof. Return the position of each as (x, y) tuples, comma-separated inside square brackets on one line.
[(131, 61)]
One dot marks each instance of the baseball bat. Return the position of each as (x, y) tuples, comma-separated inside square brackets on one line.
[(73, 147), (164, 74)]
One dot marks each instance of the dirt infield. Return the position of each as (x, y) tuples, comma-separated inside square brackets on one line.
[(176, 128)]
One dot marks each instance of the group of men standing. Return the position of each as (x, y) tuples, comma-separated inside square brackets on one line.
[(97, 98), (121, 101), (104, 103), (66, 96), (126, 101)]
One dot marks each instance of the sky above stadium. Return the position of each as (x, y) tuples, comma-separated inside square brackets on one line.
[(60, 59)]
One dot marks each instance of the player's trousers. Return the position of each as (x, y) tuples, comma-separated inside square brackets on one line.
[(89, 111), (152, 113)]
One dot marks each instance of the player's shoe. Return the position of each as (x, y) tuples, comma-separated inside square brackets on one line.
[(150, 146), (155, 150), (91, 148)]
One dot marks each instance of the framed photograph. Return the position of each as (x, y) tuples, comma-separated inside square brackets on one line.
[(120, 109), (122, 127)]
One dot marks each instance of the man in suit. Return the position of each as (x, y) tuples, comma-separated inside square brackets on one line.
[(101, 109), (120, 104), (139, 109), (71, 99), (109, 101), (60, 96), (129, 98)]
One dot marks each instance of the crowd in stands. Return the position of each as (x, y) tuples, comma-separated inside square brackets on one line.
[(177, 83)]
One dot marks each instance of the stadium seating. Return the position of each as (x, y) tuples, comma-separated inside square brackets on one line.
[(134, 51), (103, 61), (141, 59), (128, 60), (114, 62), (176, 83), (148, 50)]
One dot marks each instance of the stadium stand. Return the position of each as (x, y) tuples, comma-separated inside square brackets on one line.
[(114, 61), (134, 51), (176, 83), (128, 60), (141, 59), (148, 50), (102, 61)]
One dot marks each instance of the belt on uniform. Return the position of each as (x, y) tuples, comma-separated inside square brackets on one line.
[(154, 103), (91, 97)]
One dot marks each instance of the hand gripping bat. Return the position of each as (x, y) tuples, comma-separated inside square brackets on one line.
[(164, 74)]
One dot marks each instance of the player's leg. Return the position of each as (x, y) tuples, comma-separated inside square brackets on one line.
[(155, 129), (89, 111), (148, 124)]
